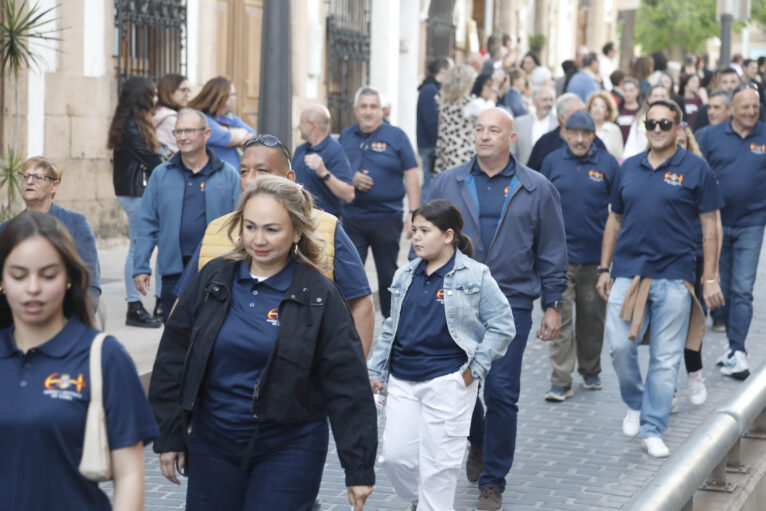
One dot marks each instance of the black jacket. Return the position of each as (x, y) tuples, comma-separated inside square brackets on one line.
[(133, 163), (316, 367)]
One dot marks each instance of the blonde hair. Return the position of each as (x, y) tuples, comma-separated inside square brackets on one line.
[(611, 106), (691, 142), (299, 206), (457, 84)]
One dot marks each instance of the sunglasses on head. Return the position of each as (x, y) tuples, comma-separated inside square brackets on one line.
[(268, 141), (665, 125)]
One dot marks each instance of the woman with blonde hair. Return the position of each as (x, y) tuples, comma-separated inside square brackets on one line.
[(261, 348), (217, 100), (603, 109), (454, 141)]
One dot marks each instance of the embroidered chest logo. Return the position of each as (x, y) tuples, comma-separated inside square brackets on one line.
[(674, 179), (758, 148), (505, 191), (595, 175), (202, 186), (440, 296), (273, 316), (378, 146), (63, 386)]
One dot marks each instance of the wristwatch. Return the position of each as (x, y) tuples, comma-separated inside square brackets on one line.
[(557, 305), (326, 176), (601, 270)]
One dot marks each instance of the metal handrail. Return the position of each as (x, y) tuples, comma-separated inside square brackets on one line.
[(674, 485)]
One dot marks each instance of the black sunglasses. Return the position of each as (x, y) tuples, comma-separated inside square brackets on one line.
[(665, 125), (268, 141), (745, 86)]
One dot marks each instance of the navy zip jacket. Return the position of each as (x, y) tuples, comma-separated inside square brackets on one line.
[(428, 113), (315, 369), (528, 254)]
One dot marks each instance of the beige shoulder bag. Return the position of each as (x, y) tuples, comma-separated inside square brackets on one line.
[(96, 462)]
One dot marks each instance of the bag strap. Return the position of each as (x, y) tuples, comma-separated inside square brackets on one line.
[(96, 382)]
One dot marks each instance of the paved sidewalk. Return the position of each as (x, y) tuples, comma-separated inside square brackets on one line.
[(569, 456)]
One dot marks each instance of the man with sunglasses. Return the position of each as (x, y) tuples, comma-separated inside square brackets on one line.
[(736, 150), (659, 201), (183, 195), (266, 155)]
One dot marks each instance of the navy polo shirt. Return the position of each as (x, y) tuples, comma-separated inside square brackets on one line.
[(661, 208), (386, 153), (491, 193), (241, 351), (584, 184), (334, 160), (193, 219), (43, 404), (423, 347), (740, 166)]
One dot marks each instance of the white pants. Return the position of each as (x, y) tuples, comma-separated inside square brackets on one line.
[(424, 440)]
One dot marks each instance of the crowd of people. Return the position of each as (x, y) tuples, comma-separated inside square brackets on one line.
[(628, 205)]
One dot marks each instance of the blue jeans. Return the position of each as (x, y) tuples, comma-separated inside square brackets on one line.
[(496, 433), (281, 476), (132, 207), (667, 318), (738, 267), (427, 155)]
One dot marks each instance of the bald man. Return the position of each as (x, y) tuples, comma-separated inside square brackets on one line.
[(513, 216), (320, 164)]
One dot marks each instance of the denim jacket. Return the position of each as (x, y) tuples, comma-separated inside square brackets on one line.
[(479, 318)]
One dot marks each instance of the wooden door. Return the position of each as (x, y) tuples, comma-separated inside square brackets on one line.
[(238, 54)]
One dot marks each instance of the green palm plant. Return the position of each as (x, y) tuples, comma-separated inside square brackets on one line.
[(20, 26)]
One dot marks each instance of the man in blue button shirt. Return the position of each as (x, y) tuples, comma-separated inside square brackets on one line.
[(583, 175), (658, 203), (513, 216), (385, 169), (320, 164), (736, 150), (182, 196)]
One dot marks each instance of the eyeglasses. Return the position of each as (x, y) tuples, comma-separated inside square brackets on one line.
[(268, 141), (37, 178), (665, 125), (188, 131)]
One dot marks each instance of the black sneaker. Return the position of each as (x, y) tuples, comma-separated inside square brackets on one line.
[(558, 394), (140, 317), (474, 465), (490, 499)]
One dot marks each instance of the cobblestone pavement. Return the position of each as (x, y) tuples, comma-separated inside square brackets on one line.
[(569, 456)]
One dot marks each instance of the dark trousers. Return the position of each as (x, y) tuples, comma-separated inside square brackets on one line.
[(167, 295), (382, 235), (693, 359), (496, 431), (284, 476)]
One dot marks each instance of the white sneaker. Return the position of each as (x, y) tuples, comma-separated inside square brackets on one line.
[(737, 366), (656, 447), (697, 390), (631, 424), (724, 359), (674, 404)]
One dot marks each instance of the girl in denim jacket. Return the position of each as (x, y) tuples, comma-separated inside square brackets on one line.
[(449, 321)]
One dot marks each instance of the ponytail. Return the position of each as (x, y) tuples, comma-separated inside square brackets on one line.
[(446, 215)]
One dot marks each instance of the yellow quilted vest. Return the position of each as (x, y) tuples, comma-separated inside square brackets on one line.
[(216, 241)]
